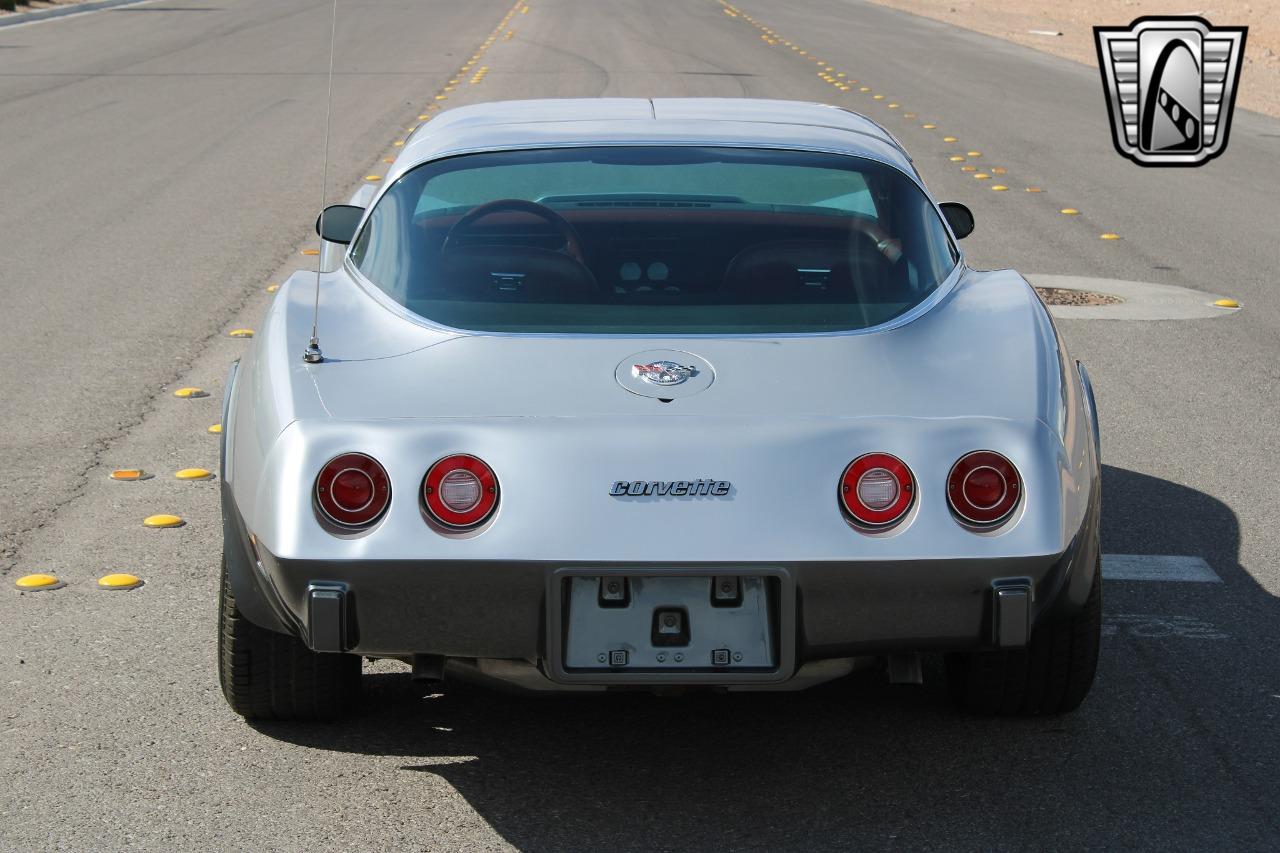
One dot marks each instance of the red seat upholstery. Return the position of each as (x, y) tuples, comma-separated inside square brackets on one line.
[(809, 271)]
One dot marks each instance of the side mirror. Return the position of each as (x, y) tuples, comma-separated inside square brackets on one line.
[(959, 217), (338, 223)]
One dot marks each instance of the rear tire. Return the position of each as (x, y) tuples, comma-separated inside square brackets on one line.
[(270, 676), (1052, 675)]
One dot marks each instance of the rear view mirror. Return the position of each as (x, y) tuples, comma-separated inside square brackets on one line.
[(959, 217), (337, 224)]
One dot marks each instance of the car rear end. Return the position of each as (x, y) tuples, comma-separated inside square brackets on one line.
[(730, 417), (555, 521)]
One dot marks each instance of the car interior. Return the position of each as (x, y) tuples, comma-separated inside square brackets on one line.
[(655, 250)]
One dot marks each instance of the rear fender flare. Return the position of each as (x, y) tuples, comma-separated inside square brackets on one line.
[(1093, 409), (237, 551)]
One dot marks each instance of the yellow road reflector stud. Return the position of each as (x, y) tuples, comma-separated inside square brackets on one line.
[(893, 106), (908, 115), (864, 88), (193, 474), (310, 252), (240, 333), (949, 139), (928, 126), (968, 168), (190, 393), (399, 143), (999, 188), (162, 520), (1069, 211), (119, 581), (129, 475), (877, 97), (956, 159), (1226, 303), (1034, 190), (974, 153), (999, 170), (982, 176), (31, 583), (424, 117), (272, 288), (441, 97), (216, 429), (1108, 236), (373, 177), (388, 159)]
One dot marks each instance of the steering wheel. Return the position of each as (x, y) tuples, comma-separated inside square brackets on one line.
[(572, 244)]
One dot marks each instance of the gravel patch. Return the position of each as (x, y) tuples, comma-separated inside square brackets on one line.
[(1062, 296)]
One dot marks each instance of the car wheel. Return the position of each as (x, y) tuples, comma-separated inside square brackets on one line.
[(1052, 675), (270, 676)]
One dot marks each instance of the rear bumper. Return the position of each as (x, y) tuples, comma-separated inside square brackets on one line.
[(499, 610)]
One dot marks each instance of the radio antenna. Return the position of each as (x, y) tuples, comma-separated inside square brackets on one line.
[(312, 354)]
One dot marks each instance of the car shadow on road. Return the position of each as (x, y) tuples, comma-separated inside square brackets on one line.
[(1165, 752)]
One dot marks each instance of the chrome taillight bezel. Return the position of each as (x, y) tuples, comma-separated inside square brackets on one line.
[(864, 516), (983, 516), (453, 520), (347, 518)]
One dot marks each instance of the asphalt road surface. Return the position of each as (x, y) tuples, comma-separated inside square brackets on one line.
[(160, 166)]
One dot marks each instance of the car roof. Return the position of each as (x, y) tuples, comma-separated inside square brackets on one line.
[(563, 122)]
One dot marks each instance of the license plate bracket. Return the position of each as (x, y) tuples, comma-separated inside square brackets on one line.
[(673, 627)]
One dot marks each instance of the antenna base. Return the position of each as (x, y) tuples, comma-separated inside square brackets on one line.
[(312, 354)]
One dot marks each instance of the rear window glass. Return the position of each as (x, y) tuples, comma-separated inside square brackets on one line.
[(655, 240)]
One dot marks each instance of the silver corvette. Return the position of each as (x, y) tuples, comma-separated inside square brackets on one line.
[(619, 393)]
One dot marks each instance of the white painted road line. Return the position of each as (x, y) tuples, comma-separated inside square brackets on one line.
[(1148, 626), (1157, 567), (71, 10)]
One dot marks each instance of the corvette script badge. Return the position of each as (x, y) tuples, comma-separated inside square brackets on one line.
[(663, 372)]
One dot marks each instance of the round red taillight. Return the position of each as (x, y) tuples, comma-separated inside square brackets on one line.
[(877, 489), (460, 491), (353, 490), (983, 487)]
